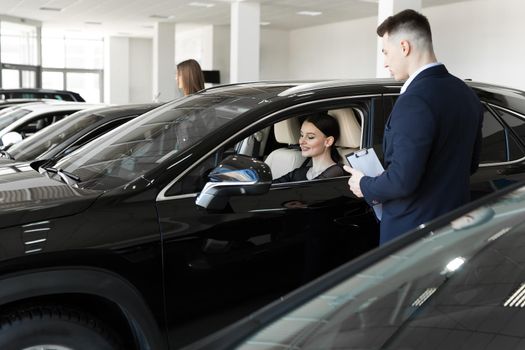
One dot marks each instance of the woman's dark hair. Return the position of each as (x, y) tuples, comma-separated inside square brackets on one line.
[(191, 74), (329, 127)]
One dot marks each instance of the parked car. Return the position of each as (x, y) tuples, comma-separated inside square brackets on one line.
[(168, 227), (458, 283), (19, 101), (62, 95), (31, 118), (72, 132)]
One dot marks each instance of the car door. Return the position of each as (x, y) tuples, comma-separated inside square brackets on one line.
[(221, 265), (502, 154)]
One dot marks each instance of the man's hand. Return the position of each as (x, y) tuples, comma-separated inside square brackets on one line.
[(353, 182)]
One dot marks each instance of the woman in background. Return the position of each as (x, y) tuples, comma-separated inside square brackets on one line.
[(189, 77)]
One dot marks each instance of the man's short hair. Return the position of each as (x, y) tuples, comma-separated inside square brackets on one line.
[(408, 21)]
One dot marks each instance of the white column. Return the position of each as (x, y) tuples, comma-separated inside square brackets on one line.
[(245, 38), (116, 72), (385, 9), (164, 62)]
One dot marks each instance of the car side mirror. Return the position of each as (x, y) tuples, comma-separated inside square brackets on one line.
[(235, 175), (11, 138)]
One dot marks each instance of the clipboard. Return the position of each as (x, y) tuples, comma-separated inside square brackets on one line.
[(367, 162)]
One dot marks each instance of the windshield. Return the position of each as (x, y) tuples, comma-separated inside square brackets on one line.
[(140, 145), (9, 118), (49, 138), (461, 287)]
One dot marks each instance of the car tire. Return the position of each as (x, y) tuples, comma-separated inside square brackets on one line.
[(54, 327)]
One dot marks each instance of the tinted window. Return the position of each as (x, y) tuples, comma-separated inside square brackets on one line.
[(499, 145), (8, 119), (380, 109), (518, 127), (49, 138), (125, 154)]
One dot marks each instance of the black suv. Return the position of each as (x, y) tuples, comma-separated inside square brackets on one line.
[(168, 227), (24, 93)]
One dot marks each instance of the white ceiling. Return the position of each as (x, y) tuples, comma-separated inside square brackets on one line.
[(133, 17)]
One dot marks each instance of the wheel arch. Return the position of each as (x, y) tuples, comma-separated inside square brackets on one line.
[(93, 282)]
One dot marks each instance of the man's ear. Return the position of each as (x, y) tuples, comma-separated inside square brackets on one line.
[(405, 47)]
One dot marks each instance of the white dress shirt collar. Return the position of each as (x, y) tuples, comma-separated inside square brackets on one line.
[(413, 76)]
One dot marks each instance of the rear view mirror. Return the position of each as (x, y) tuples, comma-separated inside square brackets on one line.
[(10, 139), (235, 175)]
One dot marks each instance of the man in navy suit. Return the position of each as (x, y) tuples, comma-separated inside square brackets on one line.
[(432, 137)]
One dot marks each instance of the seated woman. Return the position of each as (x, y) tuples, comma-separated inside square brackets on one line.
[(319, 133)]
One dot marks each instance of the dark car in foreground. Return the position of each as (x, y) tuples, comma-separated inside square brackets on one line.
[(28, 93), (168, 227), (458, 283), (71, 132)]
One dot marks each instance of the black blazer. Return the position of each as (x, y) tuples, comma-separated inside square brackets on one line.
[(431, 146)]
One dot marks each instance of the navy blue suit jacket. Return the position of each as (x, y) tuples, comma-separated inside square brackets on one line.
[(431, 146)]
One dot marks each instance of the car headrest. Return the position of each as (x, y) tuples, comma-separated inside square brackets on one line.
[(287, 131), (350, 130)]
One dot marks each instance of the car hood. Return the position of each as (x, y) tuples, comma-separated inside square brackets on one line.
[(27, 196)]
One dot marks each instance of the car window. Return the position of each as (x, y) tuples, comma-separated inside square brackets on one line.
[(8, 119), (517, 123), (498, 144), (49, 138), (381, 108), (40, 122), (123, 155)]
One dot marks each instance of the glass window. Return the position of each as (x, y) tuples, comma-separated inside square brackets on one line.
[(49, 138), (11, 117), (10, 79), (53, 52), (122, 156), (86, 84), (65, 52), (19, 43), (499, 145), (53, 80), (516, 123), (28, 79), (84, 53)]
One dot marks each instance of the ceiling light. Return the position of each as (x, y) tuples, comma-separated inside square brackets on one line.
[(56, 9), (265, 23), (158, 16), (93, 23), (309, 13), (201, 4)]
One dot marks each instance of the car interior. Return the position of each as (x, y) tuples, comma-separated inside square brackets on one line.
[(278, 145)]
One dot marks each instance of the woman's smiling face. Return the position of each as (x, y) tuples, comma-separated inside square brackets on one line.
[(312, 141)]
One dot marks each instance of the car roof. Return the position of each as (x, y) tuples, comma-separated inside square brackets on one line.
[(44, 108), (57, 106)]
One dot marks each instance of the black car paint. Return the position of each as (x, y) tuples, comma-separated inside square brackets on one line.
[(193, 270), (41, 93)]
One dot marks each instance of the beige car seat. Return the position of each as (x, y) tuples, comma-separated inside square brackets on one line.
[(350, 132), (285, 159)]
